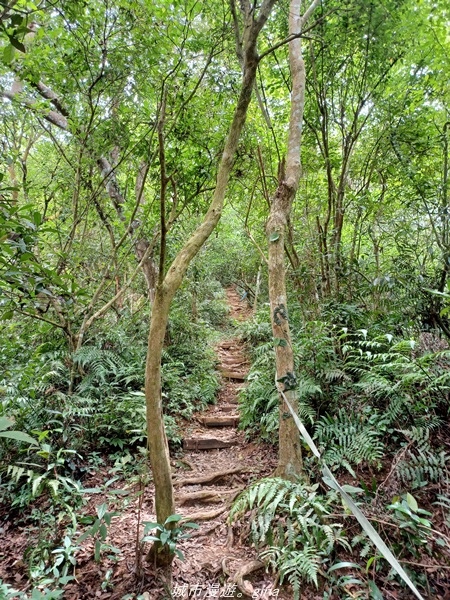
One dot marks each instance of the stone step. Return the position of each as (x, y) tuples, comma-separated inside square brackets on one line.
[(227, 373), (234, 364), (206, 444), (229, 407), (226, 421), (233, 401)]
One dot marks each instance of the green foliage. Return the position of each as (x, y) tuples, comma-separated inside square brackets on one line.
[(103, 368), (99, 532), (46, 474), (368, 243), (356, 390), (414, 524), (259, 400), (421, 463), (347, 439), (10, 593), (189, 378), (18, 436), (257, 330), (169, 533), (290, 519)]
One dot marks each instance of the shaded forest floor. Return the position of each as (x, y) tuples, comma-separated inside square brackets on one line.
[(217, 463)]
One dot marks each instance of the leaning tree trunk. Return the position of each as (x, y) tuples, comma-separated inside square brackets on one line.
[(166, 289), (290, 455)]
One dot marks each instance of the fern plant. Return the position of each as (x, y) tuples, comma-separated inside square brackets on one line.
[(349, 439), (290, 524), (421, 463)]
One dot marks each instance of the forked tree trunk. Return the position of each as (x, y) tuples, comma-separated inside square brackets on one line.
[(290, 455), (166, 289)]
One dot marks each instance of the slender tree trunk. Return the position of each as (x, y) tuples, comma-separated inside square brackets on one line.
[(167, 287), (157, 440), (290, 455), (257, 287)]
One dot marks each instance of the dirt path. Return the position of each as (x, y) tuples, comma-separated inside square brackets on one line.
[(233, 463)]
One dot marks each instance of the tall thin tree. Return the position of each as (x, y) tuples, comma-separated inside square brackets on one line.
[(290, 455)]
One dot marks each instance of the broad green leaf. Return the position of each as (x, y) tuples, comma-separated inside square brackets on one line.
[(375, 592), (351, 489), (173, 519), (149, 525), (15, 42), (371, 560), (97, 550), (101, 510), (19, 436), (84, 536), (8, 54), (191, 525), (179, 554), (36, 483), (7, 315), (5, 423), (344, 565), (54, 485), (412, 502), (95, 527), (164, 537)]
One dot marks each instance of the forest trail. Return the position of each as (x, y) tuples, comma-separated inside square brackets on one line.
[(222, 463), (205, 482), (216, 426)]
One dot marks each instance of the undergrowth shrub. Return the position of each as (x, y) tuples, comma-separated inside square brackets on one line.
[(290, 523), (357, 393), (189, 378), (349, 439), (105, 409)]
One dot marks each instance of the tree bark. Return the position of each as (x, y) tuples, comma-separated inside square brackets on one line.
[(290, 456), (167, 286)]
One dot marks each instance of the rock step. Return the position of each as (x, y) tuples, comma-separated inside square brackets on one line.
[(232, 374), (226, 421), (206, 444)]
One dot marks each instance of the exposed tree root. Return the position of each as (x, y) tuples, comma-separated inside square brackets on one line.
[(211, 478), (205, 532), (208, 496), (230, 537), (204, 515), (185, 461), (238, 578)]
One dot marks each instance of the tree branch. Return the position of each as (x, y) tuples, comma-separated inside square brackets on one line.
[(301, 34)]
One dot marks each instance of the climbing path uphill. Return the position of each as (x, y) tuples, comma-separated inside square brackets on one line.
[(216, 427), (218, 464)]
